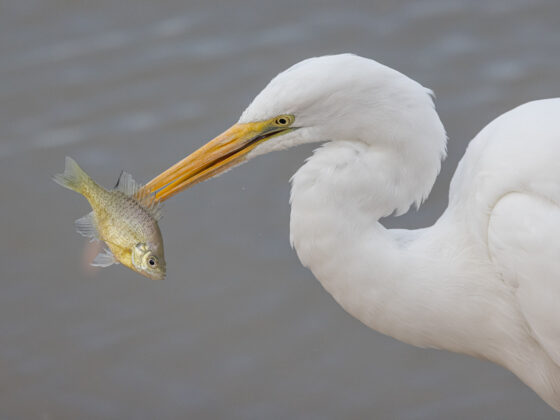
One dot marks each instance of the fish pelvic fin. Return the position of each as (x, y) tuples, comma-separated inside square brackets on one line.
[(148, 201), (73, 177), (104, 259)]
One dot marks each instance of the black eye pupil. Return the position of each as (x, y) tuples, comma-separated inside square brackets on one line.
[(282, 121), (151, 262)]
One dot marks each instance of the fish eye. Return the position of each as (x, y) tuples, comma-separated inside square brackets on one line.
[(284, 120), (152, 261)]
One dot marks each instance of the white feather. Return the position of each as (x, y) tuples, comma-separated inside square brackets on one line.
[(485, 278)]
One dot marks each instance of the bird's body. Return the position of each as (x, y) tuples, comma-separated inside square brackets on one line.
[(484, 280), (447, 286)]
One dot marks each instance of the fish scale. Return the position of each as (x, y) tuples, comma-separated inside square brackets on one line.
[(124, 218)]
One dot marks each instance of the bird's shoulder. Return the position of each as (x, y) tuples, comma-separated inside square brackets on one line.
[(517, 152), (524, 245)]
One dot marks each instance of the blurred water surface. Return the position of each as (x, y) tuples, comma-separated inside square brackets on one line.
[(239, 330)]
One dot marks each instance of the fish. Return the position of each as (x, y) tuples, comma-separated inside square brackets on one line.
[(124, 218)]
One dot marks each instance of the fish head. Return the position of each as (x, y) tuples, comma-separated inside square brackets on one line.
[(148, 260)]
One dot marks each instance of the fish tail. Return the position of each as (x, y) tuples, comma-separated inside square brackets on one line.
[(73, 178)]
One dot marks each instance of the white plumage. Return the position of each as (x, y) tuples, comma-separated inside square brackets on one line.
[(484, 280)]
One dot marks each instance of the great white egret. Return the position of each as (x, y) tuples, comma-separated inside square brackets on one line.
[(484, 280)]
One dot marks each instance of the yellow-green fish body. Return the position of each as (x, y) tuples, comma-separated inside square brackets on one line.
[(124, 218)]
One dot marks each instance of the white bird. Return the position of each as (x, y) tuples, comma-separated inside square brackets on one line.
[(484, 280)]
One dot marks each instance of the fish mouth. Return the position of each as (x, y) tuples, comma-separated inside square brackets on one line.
[(218, 155), (143, 254), (155, 276), (151, 274)]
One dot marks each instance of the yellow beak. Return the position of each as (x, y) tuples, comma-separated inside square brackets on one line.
[(225, 151)]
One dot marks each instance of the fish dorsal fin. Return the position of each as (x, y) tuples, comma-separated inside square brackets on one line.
[(104, 259), (126, 184), (148, 201), (87, 227)]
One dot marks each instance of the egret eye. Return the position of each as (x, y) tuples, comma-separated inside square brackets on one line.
[(284, 120)]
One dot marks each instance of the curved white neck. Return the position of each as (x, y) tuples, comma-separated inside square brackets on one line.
[(398, 282)]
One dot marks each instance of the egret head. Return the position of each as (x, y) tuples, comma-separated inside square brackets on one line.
[(339, 97)]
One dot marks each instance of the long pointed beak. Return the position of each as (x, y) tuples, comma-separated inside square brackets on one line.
[(225, 151)]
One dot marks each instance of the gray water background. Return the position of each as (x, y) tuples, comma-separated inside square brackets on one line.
[(239, 330)]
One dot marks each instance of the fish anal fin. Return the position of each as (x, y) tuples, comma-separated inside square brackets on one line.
[(87, 227)]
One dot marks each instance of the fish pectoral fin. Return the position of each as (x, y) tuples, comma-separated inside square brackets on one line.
[(127, 185), (153, 207), (87, 227), (104, 259)]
